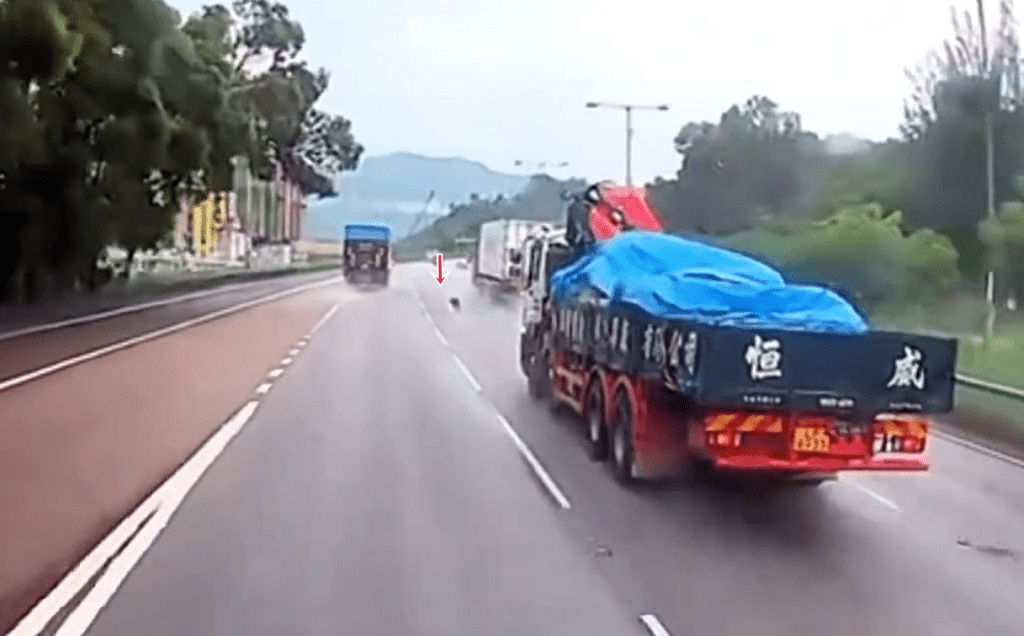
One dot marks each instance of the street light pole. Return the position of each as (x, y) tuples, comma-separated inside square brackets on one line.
[(629, 145), (990, 283), (629, 108)]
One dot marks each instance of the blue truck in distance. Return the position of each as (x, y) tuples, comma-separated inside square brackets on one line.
[(366, 253)]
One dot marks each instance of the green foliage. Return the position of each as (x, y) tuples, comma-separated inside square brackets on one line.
[(878, 176), (862, 248), (109, 111), (755, 162), (272, 112)]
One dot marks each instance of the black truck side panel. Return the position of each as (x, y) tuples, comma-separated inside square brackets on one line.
[(743, 368)]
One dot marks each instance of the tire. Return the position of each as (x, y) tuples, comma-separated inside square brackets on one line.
[(623, 462), (537, 379), (597, 428)]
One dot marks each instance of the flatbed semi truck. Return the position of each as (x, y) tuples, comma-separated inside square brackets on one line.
[(786, 382)]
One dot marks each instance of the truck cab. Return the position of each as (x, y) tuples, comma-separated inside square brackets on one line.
[(366, 253), (544, 251)]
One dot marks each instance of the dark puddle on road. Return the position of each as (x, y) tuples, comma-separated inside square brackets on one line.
[(991, 550)]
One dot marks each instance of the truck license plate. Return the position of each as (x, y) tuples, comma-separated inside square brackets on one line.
[(811, 440)]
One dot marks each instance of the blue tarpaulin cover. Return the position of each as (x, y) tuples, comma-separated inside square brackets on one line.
[(367, 233), (674, 278)]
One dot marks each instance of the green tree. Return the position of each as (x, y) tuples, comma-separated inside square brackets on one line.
[(109, 112), (106, 83), (974, 72), (755, 162), (255, 47), (862, 248)]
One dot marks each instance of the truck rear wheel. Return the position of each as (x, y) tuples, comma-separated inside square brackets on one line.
[(597, 429), (623, 462)]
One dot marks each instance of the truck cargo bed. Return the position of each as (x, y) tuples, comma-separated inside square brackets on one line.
[(751, 368)]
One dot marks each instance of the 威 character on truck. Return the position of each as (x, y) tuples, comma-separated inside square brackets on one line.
[(678, 354), (366, 253)]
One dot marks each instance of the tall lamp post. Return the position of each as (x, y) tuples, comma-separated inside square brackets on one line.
[(629, 108)]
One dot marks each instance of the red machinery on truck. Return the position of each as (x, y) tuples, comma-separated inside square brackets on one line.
[(664, 391)]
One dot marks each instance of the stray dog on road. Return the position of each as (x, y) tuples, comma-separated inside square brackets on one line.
[(455, 303)]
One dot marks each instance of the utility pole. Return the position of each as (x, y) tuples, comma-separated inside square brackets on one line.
[(991, 106), (990, 283), (629, 108)]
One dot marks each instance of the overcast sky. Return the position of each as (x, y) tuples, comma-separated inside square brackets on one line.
[(497, 81)]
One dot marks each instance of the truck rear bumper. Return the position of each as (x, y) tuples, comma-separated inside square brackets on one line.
[(761, 463)]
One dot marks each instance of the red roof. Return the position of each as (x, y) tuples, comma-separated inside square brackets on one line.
[(633, 203)]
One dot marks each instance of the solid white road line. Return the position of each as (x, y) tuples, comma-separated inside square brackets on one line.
[(82, 617), (275, 373), (333, 310), (885, 501), (538, 468), (263, 388), (984, 450), (152, 335), (654, 625), (441, 337), (469, 375)]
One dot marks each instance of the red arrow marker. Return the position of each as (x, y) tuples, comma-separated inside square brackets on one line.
[(440, 276)]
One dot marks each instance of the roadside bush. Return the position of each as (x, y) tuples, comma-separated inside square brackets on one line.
[(862, 249)]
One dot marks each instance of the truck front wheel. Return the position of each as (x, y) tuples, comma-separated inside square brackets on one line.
[(623, 458), (597, 430)]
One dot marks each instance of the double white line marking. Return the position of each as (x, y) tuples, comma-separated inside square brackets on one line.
[(126, 544)]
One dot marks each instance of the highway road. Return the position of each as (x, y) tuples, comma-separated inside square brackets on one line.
[(382, 471)]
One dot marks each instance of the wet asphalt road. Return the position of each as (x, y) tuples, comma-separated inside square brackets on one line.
[(375, 492)]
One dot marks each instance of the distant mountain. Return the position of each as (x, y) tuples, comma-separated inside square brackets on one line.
[(393, 189), (540, 200), (406, 176), (327, 219)]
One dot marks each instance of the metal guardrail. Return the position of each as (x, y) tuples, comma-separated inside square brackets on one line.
[(992, 387)]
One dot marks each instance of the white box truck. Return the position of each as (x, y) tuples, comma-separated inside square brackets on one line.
[(499, 258)]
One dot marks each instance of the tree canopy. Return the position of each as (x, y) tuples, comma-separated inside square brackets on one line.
[(758, 176), (111, 109)]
